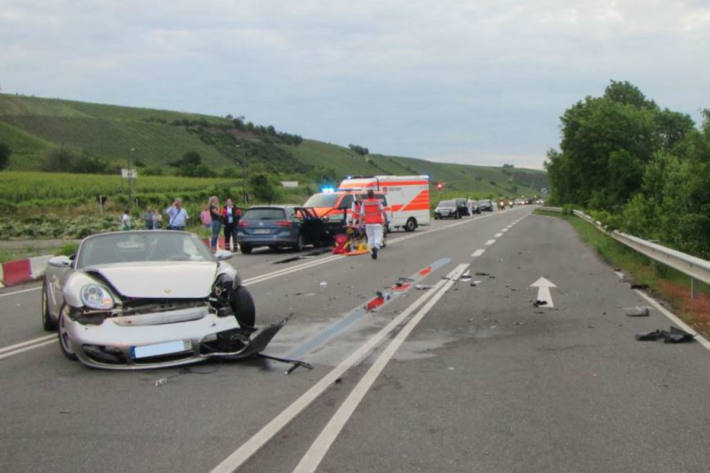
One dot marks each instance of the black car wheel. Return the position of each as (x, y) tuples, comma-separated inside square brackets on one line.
[(243, 307), (47, 323), (299, 243), (244, 248), (411, 224), (64, 337)]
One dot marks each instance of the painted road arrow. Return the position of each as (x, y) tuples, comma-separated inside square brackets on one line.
[(543, 292)]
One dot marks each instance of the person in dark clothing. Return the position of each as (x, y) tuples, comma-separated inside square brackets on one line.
[(216, 216), (231, 215)]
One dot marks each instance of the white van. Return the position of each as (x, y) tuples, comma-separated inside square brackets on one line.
[(407, 197)]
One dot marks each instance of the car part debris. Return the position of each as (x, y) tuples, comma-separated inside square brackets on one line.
[(475, 283), (465, 276), (674, 335), (295, 363), (637, 311), (639, 286), (479, 273), (160, 382), (421, 287), (539, 303)]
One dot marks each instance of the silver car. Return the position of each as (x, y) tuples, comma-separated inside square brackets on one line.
[(146, 299)]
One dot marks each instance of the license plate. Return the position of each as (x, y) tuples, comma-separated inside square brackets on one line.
[(261, 231), (158, 349)]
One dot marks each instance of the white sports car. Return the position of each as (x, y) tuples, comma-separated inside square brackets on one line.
[(148, 299)]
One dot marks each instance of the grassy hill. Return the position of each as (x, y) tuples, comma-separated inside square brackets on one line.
[(32, 127)]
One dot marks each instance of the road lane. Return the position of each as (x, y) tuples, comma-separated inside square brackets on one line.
[(197, 417), (506, 386)]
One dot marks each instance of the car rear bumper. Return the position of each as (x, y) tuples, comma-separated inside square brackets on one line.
[(267, 240), (126, 343)]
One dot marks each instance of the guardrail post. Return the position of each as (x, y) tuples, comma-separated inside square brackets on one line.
[(694, 289)]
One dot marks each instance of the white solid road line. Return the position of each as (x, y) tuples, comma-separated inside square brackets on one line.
[(30, 347), (478, 252), (258, 440), (325, 439), (28, 342), (20, 291), (490, 242)]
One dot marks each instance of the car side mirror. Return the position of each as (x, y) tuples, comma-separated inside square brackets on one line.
[(222, 255), (60, 262)]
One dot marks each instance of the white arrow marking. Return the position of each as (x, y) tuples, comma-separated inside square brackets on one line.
[(543, 291)]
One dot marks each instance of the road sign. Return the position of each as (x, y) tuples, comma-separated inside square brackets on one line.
[(129, 173)]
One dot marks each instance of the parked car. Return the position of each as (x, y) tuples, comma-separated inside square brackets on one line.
[(446, 209), (485, 205), (279, 226), (146, 299)]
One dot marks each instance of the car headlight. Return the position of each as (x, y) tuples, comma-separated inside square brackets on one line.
[(94, 296)]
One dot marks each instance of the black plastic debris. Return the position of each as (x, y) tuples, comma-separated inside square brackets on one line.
[(637, 311), (539, 303), (674, 335), (479, 273), (639, 286), (421, 287)]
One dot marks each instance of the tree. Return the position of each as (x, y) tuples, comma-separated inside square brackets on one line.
[(361, 150), (263, 187), (191, 157), (5, 153), (627, 94)]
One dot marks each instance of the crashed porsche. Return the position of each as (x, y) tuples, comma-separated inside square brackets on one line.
[(148, 299)]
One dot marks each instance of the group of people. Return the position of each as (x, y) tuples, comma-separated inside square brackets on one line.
[(214, 217)]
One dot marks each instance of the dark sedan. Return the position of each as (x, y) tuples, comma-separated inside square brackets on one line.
[(278, 226)]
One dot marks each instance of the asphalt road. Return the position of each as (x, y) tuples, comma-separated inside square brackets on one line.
[(458, 377)]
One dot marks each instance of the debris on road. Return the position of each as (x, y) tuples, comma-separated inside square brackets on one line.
[(161, 382), (674, 335), (421, 287), (479, 273), (466, 276), (539, 303), (324, 283), (475, 283), (637, 311)]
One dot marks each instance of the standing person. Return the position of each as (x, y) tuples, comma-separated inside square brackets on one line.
[(157, 221), (178, 216), (126, 220), (231, 214), (148, 218), (216, 217), (373, 215), (355, 210), (205, 218)]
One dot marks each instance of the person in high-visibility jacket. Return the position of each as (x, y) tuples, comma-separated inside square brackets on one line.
[(373, 216), (355, 211)]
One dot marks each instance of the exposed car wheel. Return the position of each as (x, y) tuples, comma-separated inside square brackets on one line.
[(244, 248), (64, 337), (47, 323), (243, 307), (299, 243), (411, 224)]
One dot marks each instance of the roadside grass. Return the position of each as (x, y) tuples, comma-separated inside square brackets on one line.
[(27, 251), (666, 283)]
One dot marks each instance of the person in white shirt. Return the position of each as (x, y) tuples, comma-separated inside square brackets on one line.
[(178, 216)]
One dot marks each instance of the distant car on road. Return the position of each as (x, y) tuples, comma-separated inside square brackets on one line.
[(446, 209), (278, 226), (485, 205)]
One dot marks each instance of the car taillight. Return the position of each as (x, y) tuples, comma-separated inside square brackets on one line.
[(284, 223), (243, 223)]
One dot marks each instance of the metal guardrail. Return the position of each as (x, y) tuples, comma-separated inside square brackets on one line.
[(696, 268)]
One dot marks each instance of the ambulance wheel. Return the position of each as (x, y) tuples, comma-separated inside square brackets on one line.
[(411, 224)]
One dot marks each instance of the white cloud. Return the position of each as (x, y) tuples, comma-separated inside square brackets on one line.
[(422, 78)]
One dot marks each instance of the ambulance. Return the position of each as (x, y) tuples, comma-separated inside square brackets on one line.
[(406, 199)]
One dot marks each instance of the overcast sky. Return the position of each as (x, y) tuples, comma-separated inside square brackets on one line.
[(478, 82)]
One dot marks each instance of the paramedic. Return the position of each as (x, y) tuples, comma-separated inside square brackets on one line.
[(355, 212), (373, 216)]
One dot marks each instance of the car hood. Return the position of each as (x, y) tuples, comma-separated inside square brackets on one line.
[(163, 279)]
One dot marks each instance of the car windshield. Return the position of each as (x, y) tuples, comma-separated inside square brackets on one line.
[(446, 204), (322, 200), (265, 214), (133, 247)]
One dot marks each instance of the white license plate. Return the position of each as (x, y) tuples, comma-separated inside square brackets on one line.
[(261, 231), (158, 349)]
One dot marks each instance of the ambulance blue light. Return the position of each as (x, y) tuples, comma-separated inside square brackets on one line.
[(327, 190)]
